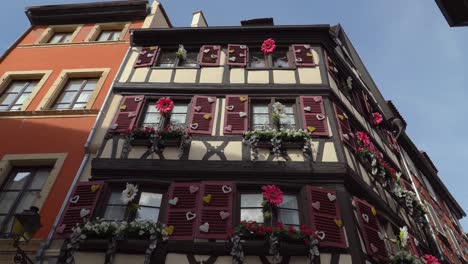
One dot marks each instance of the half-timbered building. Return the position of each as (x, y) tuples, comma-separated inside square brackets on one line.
[(350, 175)]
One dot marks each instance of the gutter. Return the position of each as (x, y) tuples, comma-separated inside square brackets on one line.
[(46, 244)]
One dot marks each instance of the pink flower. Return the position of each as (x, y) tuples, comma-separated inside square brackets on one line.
[(272, 194), (431, 259), (364, 138), (268, 46), (164, 105), (377, 118)]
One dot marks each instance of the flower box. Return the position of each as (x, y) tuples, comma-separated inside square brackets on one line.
[(141, 142), (94, 244), (285, 144), (133, 245)]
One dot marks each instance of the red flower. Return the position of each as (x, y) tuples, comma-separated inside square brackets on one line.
[(291, 229), (268, 46), (268, 229), (164, 105), (431, 259), (272, 194), (377, 118), (364, 138)]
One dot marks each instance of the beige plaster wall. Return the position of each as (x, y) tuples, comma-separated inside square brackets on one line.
[(185, 75), (160, 75), (258, 76), (237, 75)]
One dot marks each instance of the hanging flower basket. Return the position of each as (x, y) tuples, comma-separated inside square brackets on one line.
[(268, 46)]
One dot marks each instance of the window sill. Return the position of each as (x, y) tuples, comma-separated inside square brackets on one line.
[(267, 69), (71, 44), (175, 68), (50, 113)]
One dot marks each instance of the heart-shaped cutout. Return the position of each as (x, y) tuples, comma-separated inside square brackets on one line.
[(242, 114), (374, 171), (193, 189), (132, 114), (169, 229), (174, 201), (138, 99), (75, 199), (374, 248), (309, 54), (341, 117), (226, 189), (416, 242), (207, 198), (331, 197), (316, 205), (123, 107), (242, 46), (114, 126), (207, 116), (197, 108), (374, 162), (299, 59), (84, 212), (307, 108), (345, 136), (194, 126), (206, 50), (297, 50), (320, 117), (317, 99), (230, 107), (190, 216), (311, 129), (228, 128), (338, 223), (232, 51), (232, 58), (381, 236), (365, 217), (374, 212), (61, 228), (224, 215), (307, 46), (320, 235), (243, 98), (214, 56), (205, 227), (241, 55), (211, 100)]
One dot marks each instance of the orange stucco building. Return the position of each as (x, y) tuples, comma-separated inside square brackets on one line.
[(54, 80)]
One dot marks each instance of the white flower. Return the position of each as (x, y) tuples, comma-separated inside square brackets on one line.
[(404, 236), (278, 108), (129, 193), (142, 232), (181, 52)]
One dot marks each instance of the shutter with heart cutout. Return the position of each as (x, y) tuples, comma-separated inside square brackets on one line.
[(85, 197), (237, 55), (215, 207), (202, 115), (369, 228), (236, 114), (362, 102), (392, 142), (314, 119), (209, 55), (126, 117), (346, 132), (325, 216), (146, 57), (182, 210), (303, 55)]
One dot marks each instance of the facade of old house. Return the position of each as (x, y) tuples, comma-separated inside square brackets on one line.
[(54, 80)]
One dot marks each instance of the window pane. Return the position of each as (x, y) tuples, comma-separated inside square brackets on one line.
[(152, 119), (67, 97), (178, 118), (18, 181), (40, 178), (22, 98), (63, 106), (191, 60), (179, 108), (84, 97), (257, 60), (79, 106), (31, 86), (55, 38), (280, 60), (114, 212), (3, 107), (116, 35), (74, 85), (90, 84), (251, 200), (167, 59), (288, 217), (288, 109), (16, 86), (261, 120), (7, 99), (6, 200), (252, 215), (147, 213), (104, 36), (260, 109), (289, 201), (150, 199), (27, 200), (115, 198), (14, 108), (67, 37)]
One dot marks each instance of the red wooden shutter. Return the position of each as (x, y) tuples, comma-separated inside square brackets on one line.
[(406, 185), (303, 55), (218, 212), (237, 55), (412, 246), (325, 216), (346, 133), (85, 196), (146, 57), (126, 117), (202, 115), (332, 69), (209, 55), (392, 142), (375, 246), (234, 121), (313, 115), (187, 202)]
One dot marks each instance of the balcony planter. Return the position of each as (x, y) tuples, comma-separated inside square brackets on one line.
[(133, 245), (94, 244)]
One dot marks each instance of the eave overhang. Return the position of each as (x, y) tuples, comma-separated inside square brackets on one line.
[(255, 35), (97, 12), (455, 12)]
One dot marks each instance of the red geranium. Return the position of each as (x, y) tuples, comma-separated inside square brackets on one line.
[(164, 105), (364, 138), (272, 194), (431, 259), (377, 118), (268, 46)]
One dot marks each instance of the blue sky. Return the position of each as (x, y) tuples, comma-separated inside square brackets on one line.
[(416, 59)]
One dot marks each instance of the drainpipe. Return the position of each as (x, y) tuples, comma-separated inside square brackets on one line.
[(46, 244)]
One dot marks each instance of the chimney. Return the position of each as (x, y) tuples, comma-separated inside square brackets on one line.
[(198, 19)]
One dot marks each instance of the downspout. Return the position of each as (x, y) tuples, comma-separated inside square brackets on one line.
[(46, 244)]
